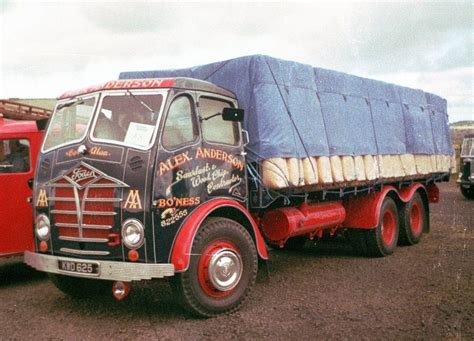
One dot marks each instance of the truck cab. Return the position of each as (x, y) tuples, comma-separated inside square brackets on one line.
[(466, 173), (128, 171), (20, 141)]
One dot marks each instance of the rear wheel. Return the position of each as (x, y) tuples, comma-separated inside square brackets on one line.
[(382, 240), (81, 287), (413, 221), (222, 269)]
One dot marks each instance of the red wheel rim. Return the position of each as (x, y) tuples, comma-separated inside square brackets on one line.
[(389, 224), (416, 218), (223, 251)]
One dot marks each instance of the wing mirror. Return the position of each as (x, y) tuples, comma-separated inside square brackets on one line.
[(233, 114)]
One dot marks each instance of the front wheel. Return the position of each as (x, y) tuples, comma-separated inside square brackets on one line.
[(222, 270), (468, 192)]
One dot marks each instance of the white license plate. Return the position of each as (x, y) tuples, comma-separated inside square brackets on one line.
[(87, 268)]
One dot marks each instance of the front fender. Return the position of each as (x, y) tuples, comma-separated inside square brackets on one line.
[(181, 250)]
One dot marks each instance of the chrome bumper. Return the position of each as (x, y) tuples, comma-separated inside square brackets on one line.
[(113, 271)]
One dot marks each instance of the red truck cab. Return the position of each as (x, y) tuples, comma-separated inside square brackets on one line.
[(20, 142)]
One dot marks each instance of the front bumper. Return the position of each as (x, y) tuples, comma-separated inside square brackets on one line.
[(113, 271)]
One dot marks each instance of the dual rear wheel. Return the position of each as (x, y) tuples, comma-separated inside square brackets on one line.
[(404, 226)]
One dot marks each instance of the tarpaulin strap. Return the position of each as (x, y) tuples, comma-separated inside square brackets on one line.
[(291, 119), (402, 105), (324, 123), (367, 100)]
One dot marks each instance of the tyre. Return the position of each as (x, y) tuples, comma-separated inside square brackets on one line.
[(382, 240), (81, 287), (413, 221), (468, 192), (222, 270)]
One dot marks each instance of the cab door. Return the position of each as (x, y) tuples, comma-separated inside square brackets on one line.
[(16, 170), (222, 148)]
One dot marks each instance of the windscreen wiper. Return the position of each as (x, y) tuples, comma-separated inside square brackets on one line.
[(144, 104), (68, 104)]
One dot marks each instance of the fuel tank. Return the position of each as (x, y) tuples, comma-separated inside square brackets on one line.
[(308, 219)]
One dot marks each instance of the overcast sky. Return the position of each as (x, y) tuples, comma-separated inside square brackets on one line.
[(49, 47)]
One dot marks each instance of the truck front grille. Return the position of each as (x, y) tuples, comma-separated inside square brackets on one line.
[(84, 214)]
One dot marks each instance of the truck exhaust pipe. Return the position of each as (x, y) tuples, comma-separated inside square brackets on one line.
[(280, 224)]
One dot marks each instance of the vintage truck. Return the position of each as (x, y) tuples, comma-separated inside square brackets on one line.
[(160, 174), (21, 133), (466, 173)]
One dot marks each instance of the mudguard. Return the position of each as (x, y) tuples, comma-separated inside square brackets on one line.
[(363, 212), (183, 242)]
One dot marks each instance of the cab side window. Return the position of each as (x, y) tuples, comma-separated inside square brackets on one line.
[(215, 129), (14, 156), (180, 126)]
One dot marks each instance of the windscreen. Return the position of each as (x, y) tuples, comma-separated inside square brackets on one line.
[(128, 119), (69, 122), (467, 147)]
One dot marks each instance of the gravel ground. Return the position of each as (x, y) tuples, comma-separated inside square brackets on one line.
[(324, 291)]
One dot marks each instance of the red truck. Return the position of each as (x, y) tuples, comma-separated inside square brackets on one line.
[(147, 177), (20, 141)]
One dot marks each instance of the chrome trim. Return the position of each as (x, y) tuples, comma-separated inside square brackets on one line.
[(63, 212), (78, 210), (102, 199), (104, 186), (91, 185), (108, 270), (85, 212), (225, 269), (99, 213), (84, 252), (84, 226), (83, 239), (61, 199)]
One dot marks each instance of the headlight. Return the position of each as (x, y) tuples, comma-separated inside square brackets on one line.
[(133, 233), (42, 227)]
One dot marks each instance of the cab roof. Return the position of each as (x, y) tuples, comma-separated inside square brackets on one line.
[(152, 83), (8, 126)]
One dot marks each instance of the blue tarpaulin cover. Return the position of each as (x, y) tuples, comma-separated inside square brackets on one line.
[(296, 110)]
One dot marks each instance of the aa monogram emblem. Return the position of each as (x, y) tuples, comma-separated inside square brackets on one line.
[(133, 200), (42, 199)]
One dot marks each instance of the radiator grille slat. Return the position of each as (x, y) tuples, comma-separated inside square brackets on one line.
[(98, 204)]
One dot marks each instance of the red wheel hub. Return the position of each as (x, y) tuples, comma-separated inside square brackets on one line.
[(416, 218), (219, 269), (389, 227)]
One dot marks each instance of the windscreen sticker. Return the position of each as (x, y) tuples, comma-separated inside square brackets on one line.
[(139, 134)]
